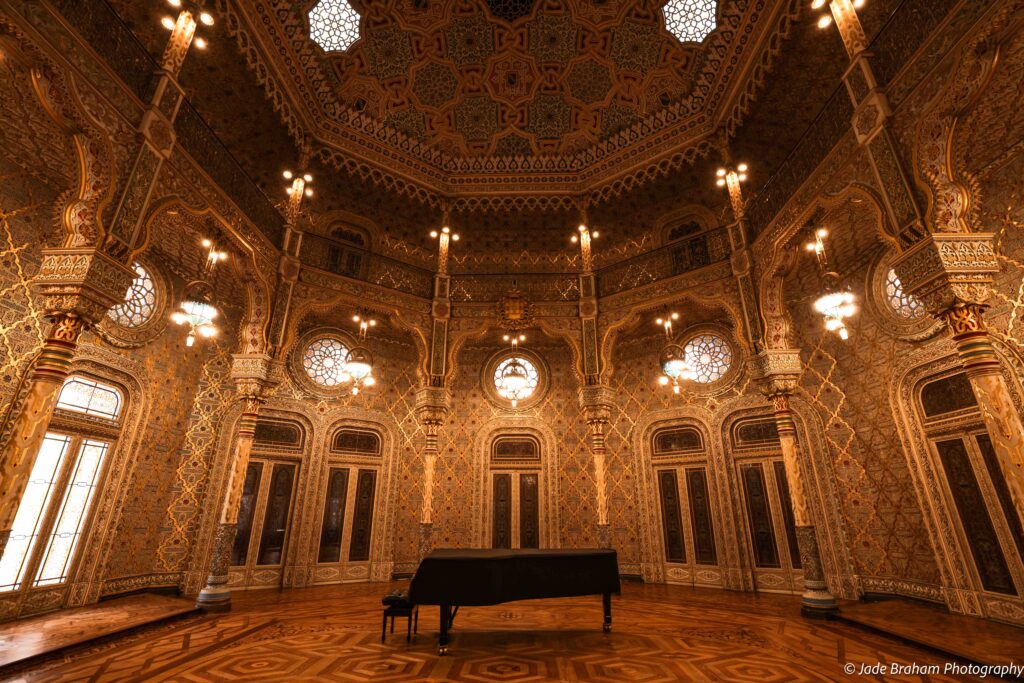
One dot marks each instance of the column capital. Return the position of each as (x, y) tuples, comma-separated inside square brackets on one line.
[(778, 371), (251, 374), (81, 282), (596, 401), (432, 405), (949, 270)]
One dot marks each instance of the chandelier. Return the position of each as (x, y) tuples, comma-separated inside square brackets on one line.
[(835, 305), (195, 310), (674, 366), (358, 368), (514, 381)]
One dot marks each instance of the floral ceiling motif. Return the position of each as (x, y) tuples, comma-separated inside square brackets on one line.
[(532, 71), (449, 92)]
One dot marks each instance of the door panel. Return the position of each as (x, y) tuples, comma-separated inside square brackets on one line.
[(529, 523), (362, 522), (334, 515), (974, 517), (759, 517), (700, 517), (786, 503), (502, 535), (275, 521), (246, 513), (675, 546)]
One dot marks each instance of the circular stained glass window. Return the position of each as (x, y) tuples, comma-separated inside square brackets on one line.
[(324, 361), (710, 356), (516, 378), (140, 302), (905, 305), (333, 25), (691, 20)]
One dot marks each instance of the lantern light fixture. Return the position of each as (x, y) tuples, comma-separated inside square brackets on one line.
[(674, 365), (835, 305)]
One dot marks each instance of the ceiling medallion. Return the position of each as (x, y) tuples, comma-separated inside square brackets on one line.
[(514, 311)]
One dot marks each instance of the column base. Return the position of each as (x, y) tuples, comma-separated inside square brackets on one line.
[(818, 604), (216, 596)]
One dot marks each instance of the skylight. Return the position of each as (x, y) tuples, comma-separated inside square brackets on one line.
[(691, 21), (334, 25)]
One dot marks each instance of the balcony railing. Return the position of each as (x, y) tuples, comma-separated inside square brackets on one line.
[(672, 259), (340, 258)]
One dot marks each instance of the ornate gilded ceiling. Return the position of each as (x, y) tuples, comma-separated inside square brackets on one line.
[(465, 97)]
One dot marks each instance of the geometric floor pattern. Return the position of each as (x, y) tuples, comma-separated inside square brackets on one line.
[(660, 633)]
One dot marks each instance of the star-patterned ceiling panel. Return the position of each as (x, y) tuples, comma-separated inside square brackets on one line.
[(494, 77)]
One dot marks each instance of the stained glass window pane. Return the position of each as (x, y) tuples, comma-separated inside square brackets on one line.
[(140, 302), (324, 361), (29, 517), (710, 356), (532, 378), (691, 20), (906, 305), (82, 395), (333, 25), (73, 512)]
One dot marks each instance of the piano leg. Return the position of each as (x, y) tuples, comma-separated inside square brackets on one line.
[(446, 618), (607, 600)]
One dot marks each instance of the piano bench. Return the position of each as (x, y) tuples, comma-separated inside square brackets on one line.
[(397, 604)]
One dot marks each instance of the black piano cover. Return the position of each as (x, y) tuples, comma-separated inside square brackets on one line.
[(451, 576)]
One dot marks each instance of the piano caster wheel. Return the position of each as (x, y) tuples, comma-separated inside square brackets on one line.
[(607, 628), (442, 651)]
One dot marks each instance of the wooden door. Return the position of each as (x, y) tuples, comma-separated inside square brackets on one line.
[(775, 557), (529, 511), (501, 536), (265, 512)]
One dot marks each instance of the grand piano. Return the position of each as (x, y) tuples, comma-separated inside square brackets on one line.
[(452, 578)]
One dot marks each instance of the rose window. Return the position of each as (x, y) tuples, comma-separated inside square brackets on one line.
[(709, 356), (324, 361)]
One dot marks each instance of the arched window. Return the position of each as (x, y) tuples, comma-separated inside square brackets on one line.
[(517, 448), (677, 440), (358, 441), (278, 434), (140, 302), (52, 515)]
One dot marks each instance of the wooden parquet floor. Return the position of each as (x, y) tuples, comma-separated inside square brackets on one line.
[(661, 633)]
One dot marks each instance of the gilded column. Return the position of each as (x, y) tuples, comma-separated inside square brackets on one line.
[(250, 373), (596, 399), (432, 407), (951, 273), (779, 373), (77, 286), (596, 402)]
